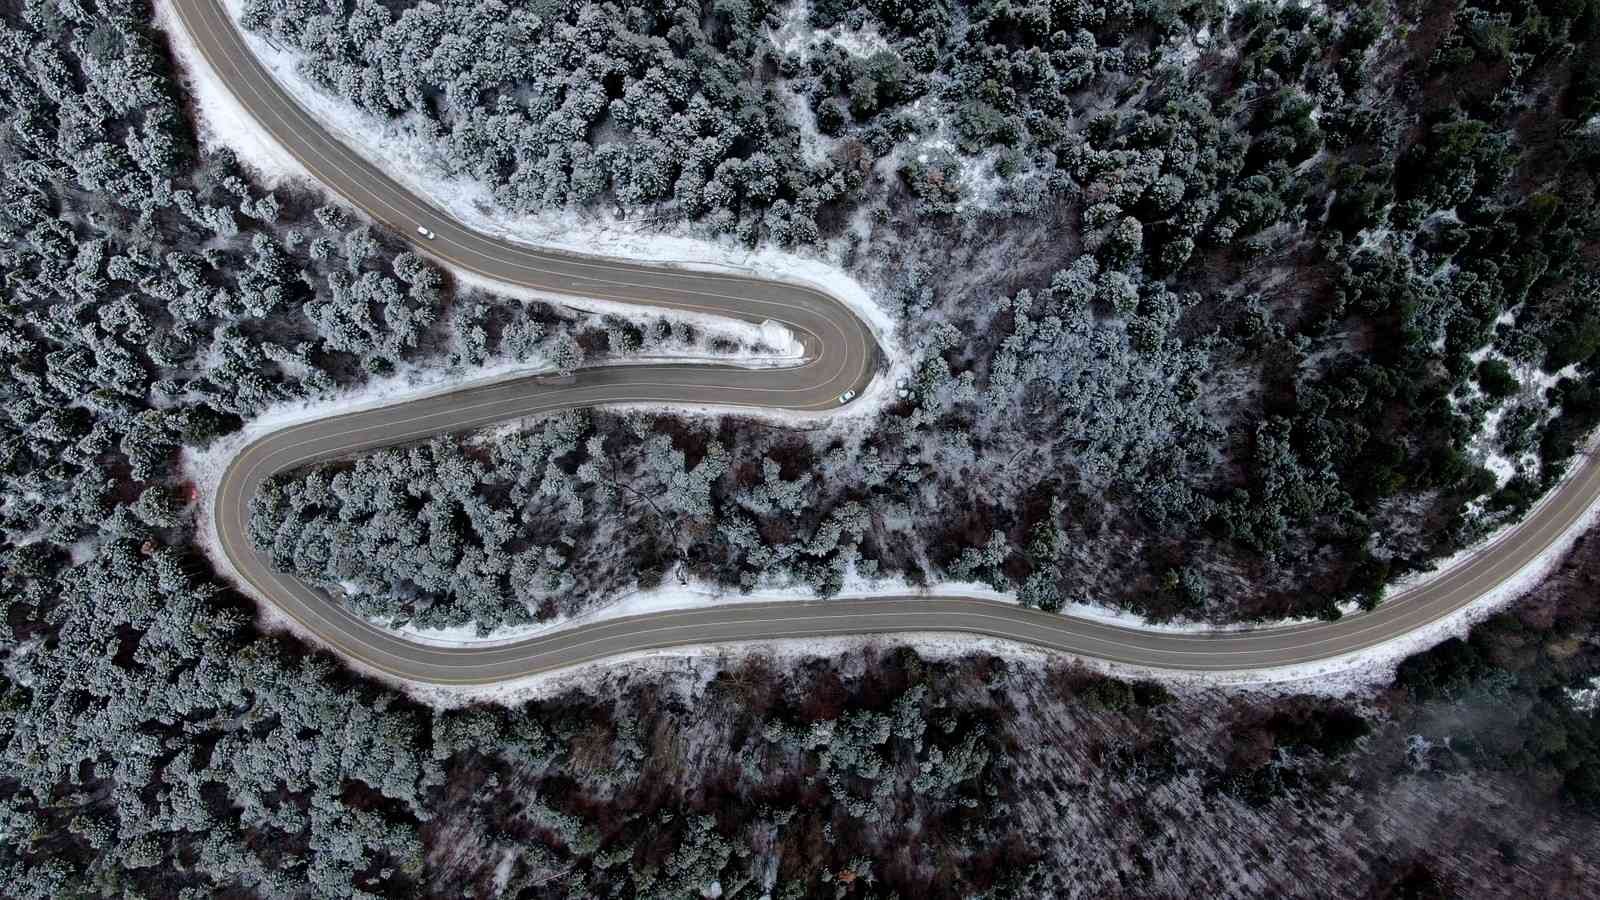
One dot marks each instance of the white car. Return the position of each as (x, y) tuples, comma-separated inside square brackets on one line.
[(847, 396), (425, 232)]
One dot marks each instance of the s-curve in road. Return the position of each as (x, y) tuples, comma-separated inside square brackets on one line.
[(841, 355)]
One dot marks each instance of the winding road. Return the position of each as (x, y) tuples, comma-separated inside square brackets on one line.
[(841, 354)]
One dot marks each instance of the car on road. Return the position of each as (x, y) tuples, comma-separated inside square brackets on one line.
[(847, 396), (425, 232)]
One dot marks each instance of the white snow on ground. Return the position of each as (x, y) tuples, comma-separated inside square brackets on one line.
[(1584, 699), (980, 184), (466, 635), (1461, 557), (1185, 50), (502, 869), (778, 345), (797, 36), (221, 120), (1484, 446), (1234, 7), (851, 417), (679, 597), (416, 164), (815, 147), (83, 551)]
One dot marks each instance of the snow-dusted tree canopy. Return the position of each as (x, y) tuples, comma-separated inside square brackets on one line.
[(1212, 311), (1267, 322)]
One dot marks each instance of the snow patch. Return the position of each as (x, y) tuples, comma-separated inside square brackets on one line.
[(221, 121), (463, 635), (815, 147), (1185, 50), (1584, 699), (84, 550), (502, 868), (797, 37), (1484, 448), (770, 343), (1533, 386), (981, 184), (852, 418), (1448, 564)]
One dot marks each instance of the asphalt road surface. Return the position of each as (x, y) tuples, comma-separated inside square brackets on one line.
[(841, 355)]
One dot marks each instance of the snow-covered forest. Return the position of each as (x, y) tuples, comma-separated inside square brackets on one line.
[(1216, 315), (1217, 312)]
